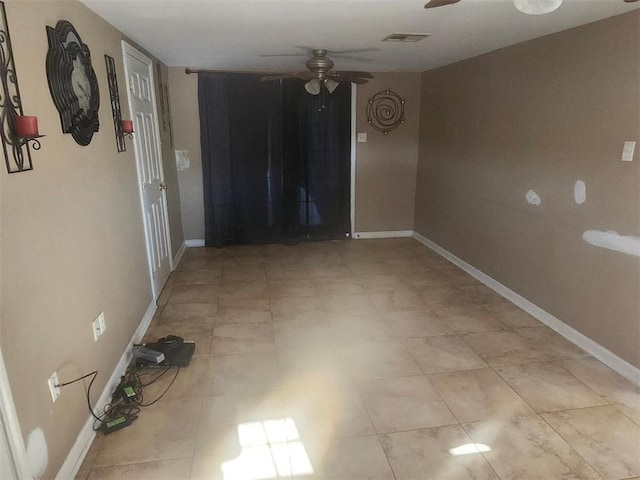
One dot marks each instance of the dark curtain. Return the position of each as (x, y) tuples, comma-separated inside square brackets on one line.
[(276, 160)]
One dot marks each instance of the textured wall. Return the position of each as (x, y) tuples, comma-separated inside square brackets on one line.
[(386, 165), (540, 116), (72, 241), (168, 158), (186, 127)]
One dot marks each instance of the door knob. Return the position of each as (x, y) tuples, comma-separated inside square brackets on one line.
[(162, 187)]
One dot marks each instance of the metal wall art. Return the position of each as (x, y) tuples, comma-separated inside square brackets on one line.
[(385, 111), (114, 97), (72, 82), (165, 106), (17, 152)]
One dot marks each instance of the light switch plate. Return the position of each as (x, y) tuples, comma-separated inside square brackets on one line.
[(362, 138), (627, 151)]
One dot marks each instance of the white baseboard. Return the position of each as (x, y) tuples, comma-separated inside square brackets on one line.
[(387, 234), (178, 257), (194, 242), (607, 357), (76, 455)]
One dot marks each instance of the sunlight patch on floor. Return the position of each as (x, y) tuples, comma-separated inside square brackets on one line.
[(468, 448), (269, 449)]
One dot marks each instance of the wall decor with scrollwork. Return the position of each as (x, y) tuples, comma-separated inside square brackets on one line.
[(72, 82), (17, 150), (114, 97), (385, 111)]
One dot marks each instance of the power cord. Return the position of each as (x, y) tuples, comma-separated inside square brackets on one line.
[(87, 391), (128, 399)]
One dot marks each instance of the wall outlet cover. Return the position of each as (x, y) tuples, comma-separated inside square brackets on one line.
[(54, 386), (627, 151)]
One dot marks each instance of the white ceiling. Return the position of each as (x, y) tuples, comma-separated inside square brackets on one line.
[(233, 34)]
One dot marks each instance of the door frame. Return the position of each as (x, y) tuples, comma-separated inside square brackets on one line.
[(129, 49), (10, 428), (354, 135)]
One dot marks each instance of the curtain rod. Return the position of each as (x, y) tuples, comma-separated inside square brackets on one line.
[(198, 70)]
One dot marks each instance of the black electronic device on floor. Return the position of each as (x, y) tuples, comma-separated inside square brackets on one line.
[(177, 352)]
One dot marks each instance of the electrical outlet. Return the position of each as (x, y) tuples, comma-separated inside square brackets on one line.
[(99, 325), (54, 387), (102, 322), (627, 151)]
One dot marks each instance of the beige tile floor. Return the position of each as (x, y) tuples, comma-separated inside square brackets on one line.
[(371, 359)]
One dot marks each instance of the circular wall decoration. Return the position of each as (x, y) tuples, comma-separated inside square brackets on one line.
[(72, 82), (385, 111)]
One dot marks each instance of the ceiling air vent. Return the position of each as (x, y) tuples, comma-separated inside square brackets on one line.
[(406, 37)]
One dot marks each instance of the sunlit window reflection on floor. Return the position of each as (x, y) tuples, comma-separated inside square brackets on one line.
[(268, 449), (468, 448)]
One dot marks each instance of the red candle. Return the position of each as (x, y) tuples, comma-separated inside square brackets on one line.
[(127, 126), (26, 127)]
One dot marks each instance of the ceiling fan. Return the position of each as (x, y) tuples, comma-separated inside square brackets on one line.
[(319, 74), (533, 7)]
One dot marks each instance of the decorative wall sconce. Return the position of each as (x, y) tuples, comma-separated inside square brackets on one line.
[(115, 104), (385, 111), (127, 128), (19, 133)]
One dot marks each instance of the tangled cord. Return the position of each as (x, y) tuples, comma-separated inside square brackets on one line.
[(120, 405)]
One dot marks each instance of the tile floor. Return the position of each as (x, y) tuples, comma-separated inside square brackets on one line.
[(372, 359)]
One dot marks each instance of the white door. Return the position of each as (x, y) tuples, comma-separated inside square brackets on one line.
[(142, 105)]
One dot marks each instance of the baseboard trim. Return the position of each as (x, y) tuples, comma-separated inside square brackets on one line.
[(178, 257), (76, 455), (386, 234), (194, 242), (607, 357)]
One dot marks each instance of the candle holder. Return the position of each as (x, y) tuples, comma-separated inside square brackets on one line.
[(26, 131), (16, 143), (126, 126)]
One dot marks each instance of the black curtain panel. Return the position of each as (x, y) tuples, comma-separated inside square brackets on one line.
[(276, 160), (317, 153)]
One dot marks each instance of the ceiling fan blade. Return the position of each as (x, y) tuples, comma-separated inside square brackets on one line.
[(353, 50), (440, 3), (348, 78), (351, 73), (268, 78), (306, 75), (356, 80), (285, 55), (354, 58)]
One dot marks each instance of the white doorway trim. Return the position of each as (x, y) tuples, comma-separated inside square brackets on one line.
[(128, 49), (10, 428), (353, 159)]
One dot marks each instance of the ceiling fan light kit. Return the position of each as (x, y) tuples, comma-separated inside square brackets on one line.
[(537, 7)]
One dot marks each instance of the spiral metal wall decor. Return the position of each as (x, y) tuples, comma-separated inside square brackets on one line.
[(385, 111)]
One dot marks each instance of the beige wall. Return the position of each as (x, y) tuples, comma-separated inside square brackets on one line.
[(541, 115), (72, 239), (186, 126), (386, 165), (168, 157)]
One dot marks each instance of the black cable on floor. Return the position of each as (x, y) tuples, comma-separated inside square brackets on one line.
[(165, 391)]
